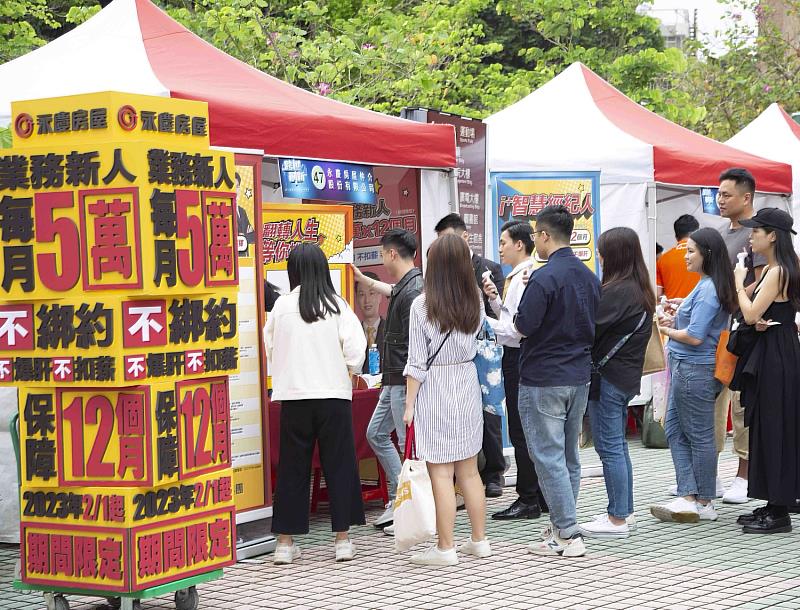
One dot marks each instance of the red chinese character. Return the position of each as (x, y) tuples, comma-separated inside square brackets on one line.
[(539, 203), (224, 489), (284, 229), (520, 206), (16, 327), (111, 252), (37, 553), (130, 413), (269, 250), (174, 549), (61, 554), (220, 409), (144, 323), (556, 199), (131, 455), (116, 508), (312, 229), (110, 551), (195, 361), (220, 249), (62, 369), (282, 249), (135, 367), (220, 534), (150, 562), (270, 230), (85, 556), (196, 544)]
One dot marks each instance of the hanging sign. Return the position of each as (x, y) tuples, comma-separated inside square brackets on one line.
[(309, 179)]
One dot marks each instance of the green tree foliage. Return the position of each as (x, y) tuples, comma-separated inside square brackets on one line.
[(759, 68), (471, 57)]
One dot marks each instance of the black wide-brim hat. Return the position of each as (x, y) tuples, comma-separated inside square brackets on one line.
[(770, 218)]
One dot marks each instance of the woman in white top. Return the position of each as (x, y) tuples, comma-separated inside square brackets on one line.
[(443, 396), (314, 344)]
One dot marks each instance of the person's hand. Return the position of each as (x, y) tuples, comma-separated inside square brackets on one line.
[(671, 305), (664, 330), (358, 275), (739, 274), (762, 325), (408, 415), (666, 321), (489, 289)]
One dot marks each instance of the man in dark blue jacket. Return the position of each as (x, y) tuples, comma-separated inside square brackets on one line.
[(556, 316)]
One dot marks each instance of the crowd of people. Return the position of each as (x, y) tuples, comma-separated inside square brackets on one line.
[(573, 344)]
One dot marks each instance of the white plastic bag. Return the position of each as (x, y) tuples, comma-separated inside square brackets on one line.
[(414, 508)]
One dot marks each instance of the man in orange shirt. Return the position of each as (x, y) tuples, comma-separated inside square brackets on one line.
[(672, 278)]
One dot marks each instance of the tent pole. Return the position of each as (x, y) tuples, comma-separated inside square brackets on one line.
[(652, 217)]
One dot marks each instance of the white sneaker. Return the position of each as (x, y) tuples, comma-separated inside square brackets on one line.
[(389, 530), (554, 545), (673, 490), (546, 533), (478, 549), (386, 518), (602, 527), (707, 512), (345, 550), (434, 556), (737, 492), (285, 554), (680, 510), (631, 521)]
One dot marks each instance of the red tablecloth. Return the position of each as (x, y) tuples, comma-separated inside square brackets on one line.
[(364, 402)]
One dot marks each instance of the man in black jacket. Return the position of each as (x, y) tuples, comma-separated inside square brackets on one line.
[(399, 248), (494, 461)]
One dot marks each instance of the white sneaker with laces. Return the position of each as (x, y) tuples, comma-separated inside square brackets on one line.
[(602, 527), (737, 492), (345, 550), (707, 512), (478, 549), (680, 510), (546, 533), (285, 554), (554, 545), (386, 518), (434, 556), (389, 530)]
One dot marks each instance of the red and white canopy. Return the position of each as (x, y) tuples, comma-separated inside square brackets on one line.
[(133, 46), (578, 121)]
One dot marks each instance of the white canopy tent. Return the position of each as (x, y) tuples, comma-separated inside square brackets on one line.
[(775, 135), (579, 122)]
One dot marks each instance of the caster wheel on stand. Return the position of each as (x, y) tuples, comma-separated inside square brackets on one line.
[(187, 599), (114, 603)]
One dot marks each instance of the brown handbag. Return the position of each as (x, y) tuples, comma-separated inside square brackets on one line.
[(654, 361), (725, 361)]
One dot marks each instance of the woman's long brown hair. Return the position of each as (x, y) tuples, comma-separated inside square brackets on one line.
[(451, 293), (623, 260)]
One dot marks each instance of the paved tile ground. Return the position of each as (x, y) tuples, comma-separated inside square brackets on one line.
[(708, 566)]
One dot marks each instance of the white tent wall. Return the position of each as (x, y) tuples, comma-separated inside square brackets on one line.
[(9, 485), (438, 197)]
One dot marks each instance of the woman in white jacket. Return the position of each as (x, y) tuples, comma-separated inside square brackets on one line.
[(314, 344)]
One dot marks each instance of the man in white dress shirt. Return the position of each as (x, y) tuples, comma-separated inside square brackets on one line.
[(516, 247)]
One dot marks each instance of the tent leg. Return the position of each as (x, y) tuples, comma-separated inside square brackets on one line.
[(652, 217)]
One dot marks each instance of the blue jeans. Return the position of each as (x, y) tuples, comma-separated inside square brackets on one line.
[(551, 418), (608, 417), (388, 416), (690, 427)]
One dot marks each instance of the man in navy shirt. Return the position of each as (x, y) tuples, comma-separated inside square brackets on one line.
[(556, 316)]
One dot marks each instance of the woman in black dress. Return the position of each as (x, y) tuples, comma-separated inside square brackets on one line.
[(768, 373)]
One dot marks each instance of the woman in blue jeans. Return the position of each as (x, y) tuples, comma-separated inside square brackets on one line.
[(622, 329), (693, 336)]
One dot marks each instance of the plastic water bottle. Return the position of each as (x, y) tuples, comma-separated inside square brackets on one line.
[(374, 360)]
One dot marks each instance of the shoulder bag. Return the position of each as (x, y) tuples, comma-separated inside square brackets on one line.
[(489, 364), (594, 387)]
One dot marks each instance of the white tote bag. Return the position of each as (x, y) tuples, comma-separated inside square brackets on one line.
[(414, 509)]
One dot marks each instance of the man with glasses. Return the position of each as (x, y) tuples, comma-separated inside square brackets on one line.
[(556, 317)]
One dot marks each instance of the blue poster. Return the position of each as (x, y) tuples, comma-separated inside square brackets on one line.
[(522, 195), (310, 179), (709, 198)]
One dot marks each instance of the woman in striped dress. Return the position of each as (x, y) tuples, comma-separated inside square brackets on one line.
[(443, 397)]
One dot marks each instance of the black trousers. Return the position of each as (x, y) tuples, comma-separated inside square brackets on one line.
[(303, 423), (528, 488), (494, 461)]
